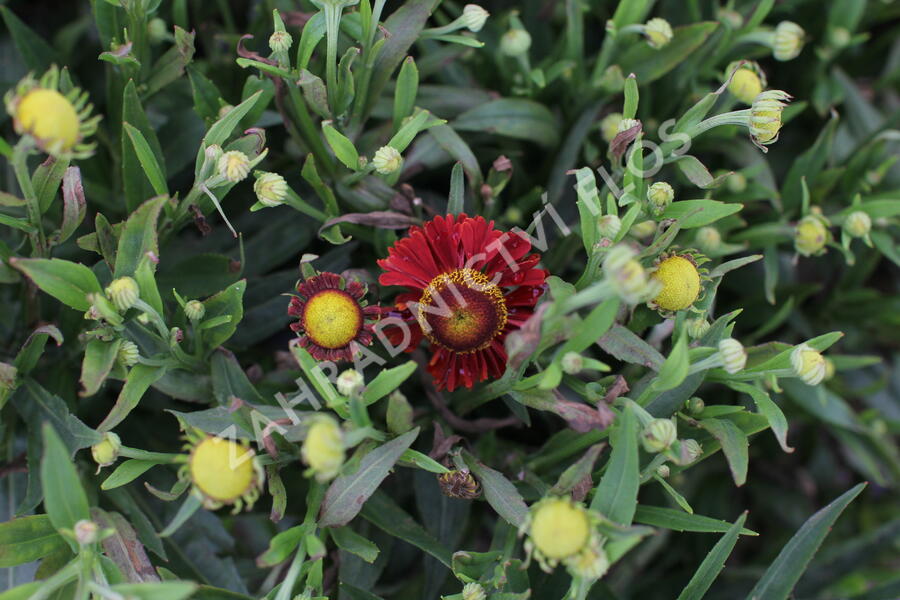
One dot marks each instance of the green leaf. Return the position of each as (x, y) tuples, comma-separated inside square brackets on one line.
[(165, 590), (47, 179), (787, 568), (347, 493), (139, 379), (512, 117), (578, 471), (456, 199), (387, 381), (384, 513), (499, 492), (616, 495), (405, 91), (343, 148), (127, 472), (151, 167), (766, 407), (206, 95), (222, 129), (347, 539), (99, 359), (30, 353), (27, 539), (37, 54), (678, 520), (227, 302), (649, 64), (138, 237), (713, 563), (697, 213), (420, 121), (64, 498), (675, 369), (68, 282), (734, 444), (282, 545)]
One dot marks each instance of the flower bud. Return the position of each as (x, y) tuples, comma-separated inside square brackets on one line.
[(736, 183), (474, 17), (787, 41), (323, 448), (747, 81), (123, 293), (679, 281), (858, 224), (691, 450), (697, 328), (829, 369), (86, 532), (839, 37), (280, 41), (194, 310), (808, 364), (572, 363), (708, 239), (106, 451), (663, 471), (660, 195), (473, 590), (350, 382), (810, 236), (658, 33), (128, 354), (515, 42), (234, 166), (399, 413), (765, 116), (213, 152), (459, 484), (695, 405), (609, 226), (626, 274), (589, 564), (734, 357), (644, 229), (609, 126), (659, 435), (270, 189), (387, 160), (158, 30), (626, 124)]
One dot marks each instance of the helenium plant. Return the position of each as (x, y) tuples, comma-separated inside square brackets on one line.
[(359, 300)]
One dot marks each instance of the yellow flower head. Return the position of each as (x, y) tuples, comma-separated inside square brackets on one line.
[(747, 82), (57, 122), (680, 281), (559, 528), (810, 236), (223, 471), (323, 448)]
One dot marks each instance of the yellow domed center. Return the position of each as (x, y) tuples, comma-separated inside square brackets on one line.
[(332, 318), (323, 449), (222, 469), (49, 117), (559, 528), (681, 283), (745, 85), (462, 311)]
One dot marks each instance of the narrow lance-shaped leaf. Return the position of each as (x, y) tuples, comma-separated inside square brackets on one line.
[(711, 566), (616, 494)]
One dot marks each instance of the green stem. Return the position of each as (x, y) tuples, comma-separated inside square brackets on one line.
[(332, 30), (32, 205)]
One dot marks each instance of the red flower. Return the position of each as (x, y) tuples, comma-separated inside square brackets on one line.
[(468, 285), (333, 315)]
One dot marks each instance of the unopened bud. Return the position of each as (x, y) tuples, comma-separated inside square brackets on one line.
[(387, 159), (659, 435), (572, 363), (609, 126), (270, 189), (734, 357), (106, 451), (473, 591), (660, 196), (697, 328), (86, 532), (194, 310), (858, 224), (695, 405), (474, 17), (658, 33), (234, 166), (663, 471), (691, 450), (808, 364), (708, 239), (350, 382), (399, 413), (515, 42), (128, 354), (810, 236), (123, 293), (787, 41), (280, 41)]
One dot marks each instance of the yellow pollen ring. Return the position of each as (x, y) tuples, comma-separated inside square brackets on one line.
[(332, 318), (453, 311), (681, 283), (222, 470), (49, 117)]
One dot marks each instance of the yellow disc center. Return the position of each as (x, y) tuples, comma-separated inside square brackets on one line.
[(332, 318), (222, 469), (559, 529), (681, 283), (49, 117)]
